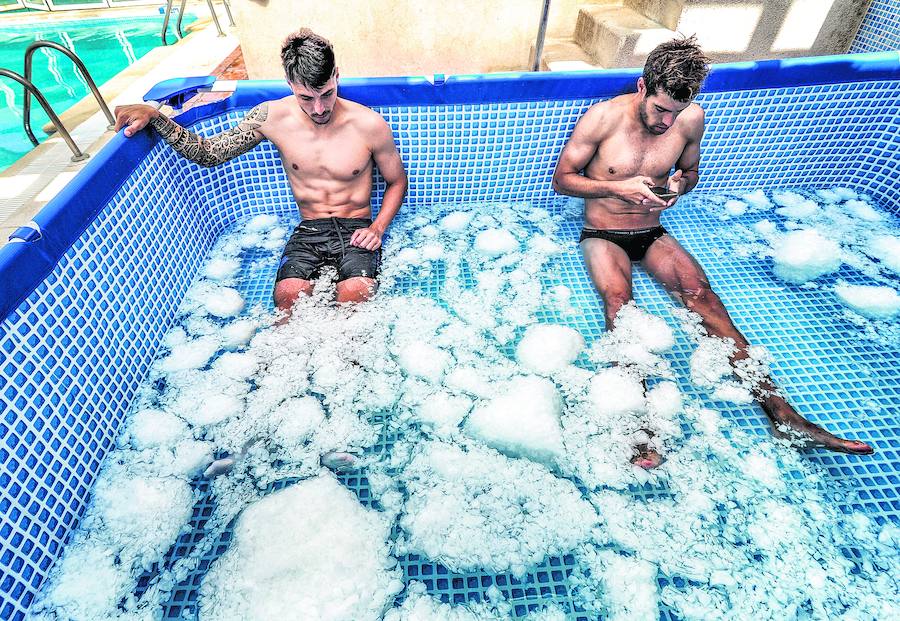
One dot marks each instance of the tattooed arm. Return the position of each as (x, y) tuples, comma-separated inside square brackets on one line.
[(204, 151)]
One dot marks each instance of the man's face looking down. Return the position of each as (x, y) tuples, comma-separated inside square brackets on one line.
[(318, 104), (658, 110)]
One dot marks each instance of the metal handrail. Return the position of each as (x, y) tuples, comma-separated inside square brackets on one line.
[(165, 27), (30, 88), (542, 32), (178, 32), (26, 104)]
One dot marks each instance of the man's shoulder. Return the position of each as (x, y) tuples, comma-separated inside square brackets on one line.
[(693, 118), (601, 116), (364, 119), (279, 107), (362, 114)]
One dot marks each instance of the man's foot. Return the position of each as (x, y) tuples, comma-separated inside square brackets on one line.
[(646, 457), (806, 434), (339, 462)]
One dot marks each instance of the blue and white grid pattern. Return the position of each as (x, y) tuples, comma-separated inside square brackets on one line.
[(76, 349), (880, 28)]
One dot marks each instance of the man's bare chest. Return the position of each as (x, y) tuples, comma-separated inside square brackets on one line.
[(622, 157), (340, 156)]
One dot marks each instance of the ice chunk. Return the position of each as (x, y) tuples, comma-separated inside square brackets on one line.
[(664, 400), (193, 354), (309, 551), (295, 420), (495, 242), (224, 302), (479, 510), (522, 422), (456, 221), (615, 391), (222, 269), (732, 392), (236, 366), (87, 583), (757, 199), (149, 428), (798, 211), (468, 379), (886, 249), (209, 409), (238, 333), (788, 199), (863, 210), (631, 592), (870, 301), (433, 252), (261, 223), (546, 348), (650, 330), (636, 341), (829, 196), (425, 361), (711, 361), (845, 194), (144, 513), (735, 208), (801, 256), (443, 411), (765, 228)]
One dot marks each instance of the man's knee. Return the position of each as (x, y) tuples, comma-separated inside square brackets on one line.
[(699, 296), (288, 290), (616, 298), (356, 289)]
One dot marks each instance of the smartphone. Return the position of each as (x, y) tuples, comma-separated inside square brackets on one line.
[(663, 193)]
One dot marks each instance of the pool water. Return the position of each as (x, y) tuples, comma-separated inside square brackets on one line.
[(106, 46), (733, 524)]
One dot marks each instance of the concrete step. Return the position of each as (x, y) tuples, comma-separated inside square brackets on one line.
[(563, 55), (618, 36), (663, 12)]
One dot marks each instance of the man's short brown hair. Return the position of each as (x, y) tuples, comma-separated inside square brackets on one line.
[(308, 59), (676, 68)]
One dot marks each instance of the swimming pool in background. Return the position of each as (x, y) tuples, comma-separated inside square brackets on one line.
[(106, 46)]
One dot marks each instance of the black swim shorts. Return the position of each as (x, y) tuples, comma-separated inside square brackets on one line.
[(326, 241), (635, 243)]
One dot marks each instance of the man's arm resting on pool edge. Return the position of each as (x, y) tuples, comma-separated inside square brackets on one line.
[(207, 152), (575, 156)]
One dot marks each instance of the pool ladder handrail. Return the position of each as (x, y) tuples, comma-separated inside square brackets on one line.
[(30, 89), (178, 32)]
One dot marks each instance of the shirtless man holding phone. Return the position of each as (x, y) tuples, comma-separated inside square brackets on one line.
[(626, 147)]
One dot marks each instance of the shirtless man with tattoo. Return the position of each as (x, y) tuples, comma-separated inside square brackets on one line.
[(625, 146), (328, 148)]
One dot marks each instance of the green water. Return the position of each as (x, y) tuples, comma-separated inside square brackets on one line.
[(106, 46)]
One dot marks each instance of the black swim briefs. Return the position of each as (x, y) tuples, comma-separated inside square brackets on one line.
[(326, 241), (635, 243)]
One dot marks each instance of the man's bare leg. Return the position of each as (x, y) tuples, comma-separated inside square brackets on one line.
[(356, 289), (286, 293), (682, 276), (610, 270)]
